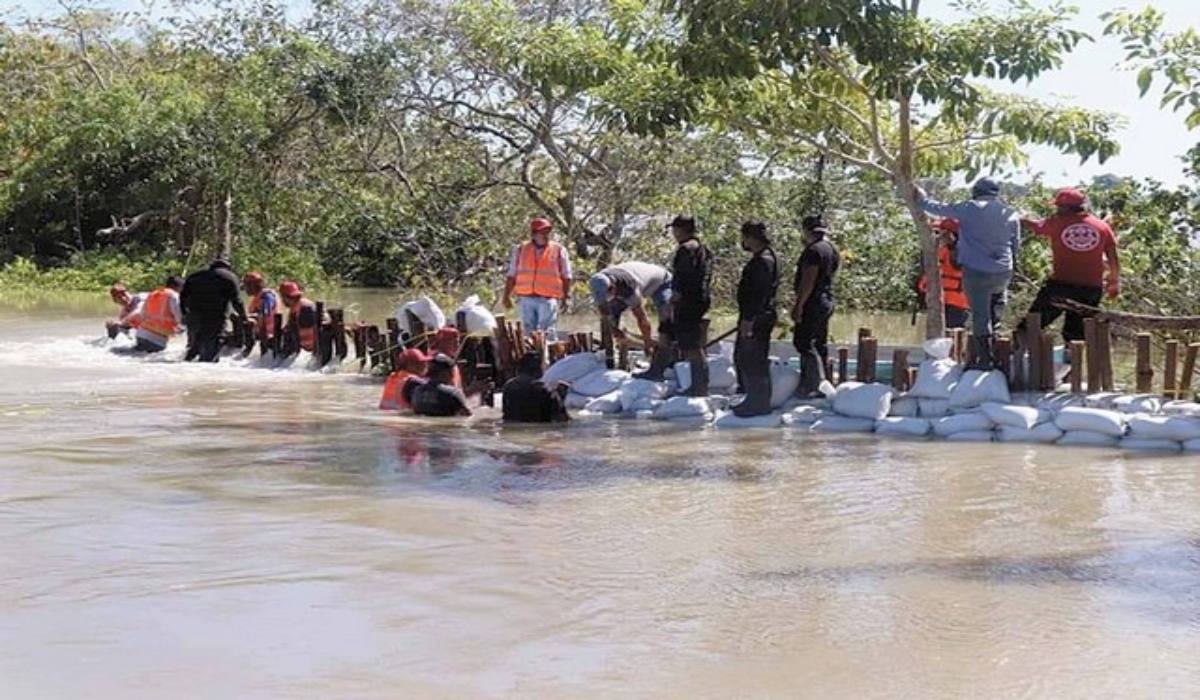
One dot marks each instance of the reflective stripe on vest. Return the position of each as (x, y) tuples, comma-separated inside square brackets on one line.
[(539, 276), (156, 313)]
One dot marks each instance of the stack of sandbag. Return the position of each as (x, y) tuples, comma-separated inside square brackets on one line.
[(685, 409), (425, 309), (571, 369), (1090, 426), (476, 317)]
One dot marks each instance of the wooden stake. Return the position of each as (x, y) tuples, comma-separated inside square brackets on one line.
[(1104, 336), (1145, 373), (1002, 350), (1091, 341), (1077, 361), (1033, 341), (843, 364), (900, 369), (1189, 368), (1170, 370), (1046, 362), (866, 366)]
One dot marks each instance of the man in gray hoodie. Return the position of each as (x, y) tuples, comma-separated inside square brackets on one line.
[(988, 240)]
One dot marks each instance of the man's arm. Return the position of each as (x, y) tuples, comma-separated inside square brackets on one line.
[(1113, 283), (808, 282), (643, 322), (932, 206), (510, 279), (564, 271)]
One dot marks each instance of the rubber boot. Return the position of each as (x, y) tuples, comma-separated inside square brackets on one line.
[(758, 396), (981, 347), (699, 386), (811, 376), (663, 358)]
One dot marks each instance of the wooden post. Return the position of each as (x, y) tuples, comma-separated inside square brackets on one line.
[(337, 326), (1189, 368), (1104, 336), (323, 342), (900, 369), (1077, 351), (962, 351), (866, 365), (606, 342), (375, 344), (1033, 339), (912, 376), (1046, 362), (860, 355), (359, 334), (1091, 342), (277, 339), (503, 348), (1002, 350), (843, 364), (1018, 380), (1170, 370), (829, 370), (1145, 373)]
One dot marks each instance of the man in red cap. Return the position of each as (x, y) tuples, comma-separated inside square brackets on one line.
[(300, 331), (539, 273), (1082, 248), (411, 366), (129, 304), (954, 299)]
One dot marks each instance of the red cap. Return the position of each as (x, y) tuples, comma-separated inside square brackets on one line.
[(1069, 198), (288, 288), (253, 278), (540, 226), (116, 289), (414, 355), (949, 225)]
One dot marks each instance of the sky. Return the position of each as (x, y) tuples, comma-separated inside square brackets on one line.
[(1152, 141)]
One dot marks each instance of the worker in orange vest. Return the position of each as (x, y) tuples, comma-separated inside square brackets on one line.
[(410, 371), (300, 331), (261, 306), (539, 273), (129, 304), (954, 299), (158, 317)]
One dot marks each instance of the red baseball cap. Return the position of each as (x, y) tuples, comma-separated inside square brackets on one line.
[(414, 355), (950, 225), (1069, 198), (289, 288), (540, 226)]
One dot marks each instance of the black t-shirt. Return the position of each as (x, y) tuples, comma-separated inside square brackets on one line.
[(438, 399), (756, 289), (825, 257), (528, 400), (691, 278)]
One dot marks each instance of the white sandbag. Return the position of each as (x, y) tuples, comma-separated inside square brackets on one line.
[(842, 424), (898, 425), (575, 401), (1096, 420), (1192, 446), (722, 376), (643, 404), (1053, 403), (807, 414), (572, 367), (1041, 433), (977, 388), (731, 420), (634, 391), (682, 372), (1150, 445), (904, 407), (678, 406), (1181, 408), (784, 380), (476, 317), (1014, 416), (1100, 399), (933, 408), (599, 382), (1087, 438), (975, 421), (1177, 428), (608, 403), (1137, 403), (972, 436), (426, 310), (858, 400), (936, 379)]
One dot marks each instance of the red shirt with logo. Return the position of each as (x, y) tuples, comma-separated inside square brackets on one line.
[(1079, 244)]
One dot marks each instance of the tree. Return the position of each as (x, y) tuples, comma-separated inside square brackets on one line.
[(874, 84)]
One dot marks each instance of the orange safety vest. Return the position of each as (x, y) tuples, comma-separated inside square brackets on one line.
[(307, 336), (393, 391), (264, 327), (156, 316), (952, 281), (539, 275)]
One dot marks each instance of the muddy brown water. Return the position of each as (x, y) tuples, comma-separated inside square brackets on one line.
[(187, 531)]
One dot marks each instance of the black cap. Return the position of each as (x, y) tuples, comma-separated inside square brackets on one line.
[(814, 223), (441, 361), (531, 364), (755, 229), (686, 222)]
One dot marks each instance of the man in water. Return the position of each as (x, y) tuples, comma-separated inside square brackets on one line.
[(626, 286), (207, 296), (411, 366), (129, 303), (756, 318), (813, 307), (438, 396), (158, 317), (262, 306), (528, 400)]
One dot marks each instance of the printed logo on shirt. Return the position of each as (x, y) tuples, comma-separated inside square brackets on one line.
[(1081, 238)]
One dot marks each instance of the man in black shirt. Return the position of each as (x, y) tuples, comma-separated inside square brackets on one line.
[(438, 396), (813, 306), (756, 319), (204, 299), (691, 296), (528, 400)]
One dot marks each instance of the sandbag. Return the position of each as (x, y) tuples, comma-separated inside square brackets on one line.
[(576, 401), (1139, 403), (476, 317), (678, 406), (977, 388), (426, 310), (634, 391), (1087, 438), (904, 407), (858, 400), (936, 379), (1177, 428), (572, 367), (1042, 433), (1096, 420), (972, 436), (1150, 445), (933, 408), (643, 404), (731, 420), (842, 424), (1053, 403), (1100, 399), (961, 423), (599, 382), (681, 372), (722, 376), (897, 425), (1181, 408), (608, 403), (784, 380), (808, 414), (1192, 446), (1015, 416)]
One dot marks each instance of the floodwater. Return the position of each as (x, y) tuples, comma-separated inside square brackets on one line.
[(200, 531)]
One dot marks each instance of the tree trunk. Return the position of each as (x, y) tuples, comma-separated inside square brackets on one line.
[(935, 317), (225, 224)]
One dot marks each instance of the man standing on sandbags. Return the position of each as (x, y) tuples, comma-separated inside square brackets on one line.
[(756, 318), (988, 239), (691, 296), (813, 307)]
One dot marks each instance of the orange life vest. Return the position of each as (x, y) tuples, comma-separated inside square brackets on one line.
[(393, 391), (952, 280), (156, 316), (539, 275), (264, 327), (306, 335)]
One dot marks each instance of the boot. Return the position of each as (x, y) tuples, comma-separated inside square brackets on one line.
[(663, 358), (699, 386), (981, 348), (758, 397), (812, 373)]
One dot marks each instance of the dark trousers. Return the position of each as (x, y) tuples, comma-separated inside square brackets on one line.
[(751, 359), (1043, 305), (956, 317), (810, 337), (204, 339)]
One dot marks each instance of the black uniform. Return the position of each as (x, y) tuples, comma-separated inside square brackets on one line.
[(810, 337), (437, 398), (756, 303), (691, 278), (205, 298), (528, 400)]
